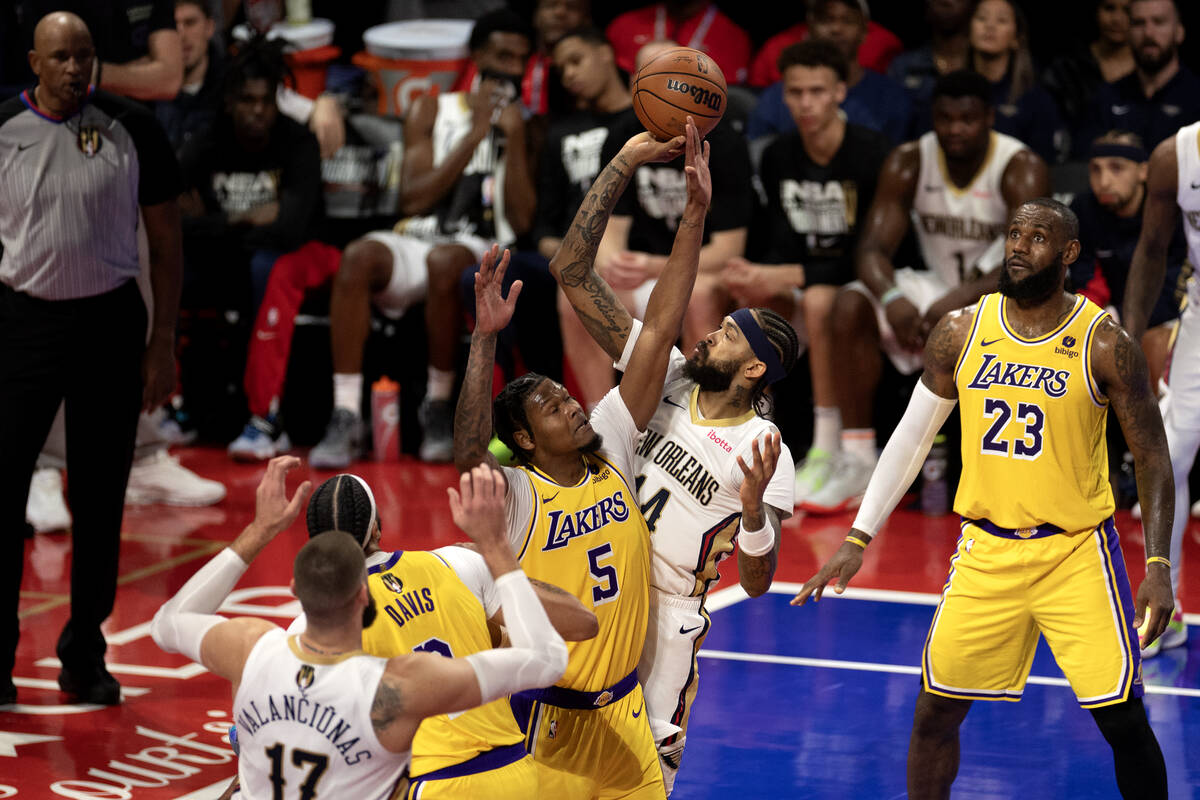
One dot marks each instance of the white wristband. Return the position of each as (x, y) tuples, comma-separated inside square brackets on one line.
[(759, 542)]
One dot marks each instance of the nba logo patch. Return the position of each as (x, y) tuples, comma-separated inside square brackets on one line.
[(89, 140), (304, 678), (392, 582), (553, 729)]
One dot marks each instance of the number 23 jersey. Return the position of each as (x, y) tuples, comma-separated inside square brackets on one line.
[(1033, 421)]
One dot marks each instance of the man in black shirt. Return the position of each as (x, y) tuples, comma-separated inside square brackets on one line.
[(1160, 95), (818, 183), (73, 323), (1110, 221)]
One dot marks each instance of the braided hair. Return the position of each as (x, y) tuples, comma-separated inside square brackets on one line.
[(259, 58), (782, 336), (508, 412), (343, 503)]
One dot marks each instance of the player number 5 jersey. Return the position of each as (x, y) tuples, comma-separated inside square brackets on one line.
[(1033, 420)]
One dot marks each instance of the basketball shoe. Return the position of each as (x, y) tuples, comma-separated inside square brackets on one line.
[(160, 478), (46, 509), (844, 489), (812, 473)]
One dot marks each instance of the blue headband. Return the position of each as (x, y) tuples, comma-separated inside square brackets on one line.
[(762, 347)]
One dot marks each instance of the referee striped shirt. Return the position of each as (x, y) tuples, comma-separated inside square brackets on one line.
[(70, 191)]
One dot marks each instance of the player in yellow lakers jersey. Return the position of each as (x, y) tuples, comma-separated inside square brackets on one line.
[(572, 509), (1034, 370), (441, 602)]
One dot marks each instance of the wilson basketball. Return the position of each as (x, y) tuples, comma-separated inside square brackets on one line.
[(674, 84)]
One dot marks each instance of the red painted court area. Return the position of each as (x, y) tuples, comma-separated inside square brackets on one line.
[(167, 739)]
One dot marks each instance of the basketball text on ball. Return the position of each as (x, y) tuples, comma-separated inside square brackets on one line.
[(700, 95)]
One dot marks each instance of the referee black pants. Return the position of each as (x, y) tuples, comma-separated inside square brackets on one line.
[(88, 353)]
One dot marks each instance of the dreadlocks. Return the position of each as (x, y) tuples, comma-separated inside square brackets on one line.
[(782, 337)]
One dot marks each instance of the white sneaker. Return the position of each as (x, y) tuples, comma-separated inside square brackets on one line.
[(812, 473), (47, 510), (160, 478), (1195, 509), (844, 489)]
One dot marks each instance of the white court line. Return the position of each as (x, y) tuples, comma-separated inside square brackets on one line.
[(886, 596), (899, 669)]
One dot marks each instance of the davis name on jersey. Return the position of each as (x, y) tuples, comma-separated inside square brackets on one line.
[(409, 605), (324, 719)]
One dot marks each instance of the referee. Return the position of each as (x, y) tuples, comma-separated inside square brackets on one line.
[(76, 165)]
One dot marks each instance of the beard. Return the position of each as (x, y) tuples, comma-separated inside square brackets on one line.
[(1037, 287), (1152, 65), (592, 445), (710, 376), (370, 612)]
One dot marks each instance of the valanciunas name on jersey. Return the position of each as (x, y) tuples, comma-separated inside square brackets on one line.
[(323, 719)]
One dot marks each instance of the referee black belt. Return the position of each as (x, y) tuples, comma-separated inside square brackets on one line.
[(1038, 532), (571, 698)]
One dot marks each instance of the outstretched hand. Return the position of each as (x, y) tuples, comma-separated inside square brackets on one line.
[(696, 153), (492, 309), (645, 149), (274, 511), (759, 473), (843, 566), (478, 508)]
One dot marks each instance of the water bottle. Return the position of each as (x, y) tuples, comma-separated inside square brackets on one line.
[(935, 487), (385, 419)]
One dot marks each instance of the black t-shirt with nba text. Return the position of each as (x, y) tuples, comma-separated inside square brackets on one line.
[(657, 194), (570, 161), (815, 211), (231, 180)]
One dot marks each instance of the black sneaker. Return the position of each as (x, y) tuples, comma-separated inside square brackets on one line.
[(90, 685), (341, 444), (437, 422)]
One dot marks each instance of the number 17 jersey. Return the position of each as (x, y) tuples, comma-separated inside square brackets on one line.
[(1033, 421)]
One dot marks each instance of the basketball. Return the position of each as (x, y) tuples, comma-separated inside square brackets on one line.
[(674, 84)]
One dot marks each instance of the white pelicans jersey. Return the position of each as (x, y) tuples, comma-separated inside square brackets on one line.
[(304, 725), (1187, 154), (687, 480), (961, 229)]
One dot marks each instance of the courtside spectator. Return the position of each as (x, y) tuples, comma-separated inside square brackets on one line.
[(872, 100), (1074, 77), (918, 70), (1161, 95), (876, 52), (691, 23)]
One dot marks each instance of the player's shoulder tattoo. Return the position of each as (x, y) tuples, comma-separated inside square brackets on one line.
[(947, 338), (387, 706)]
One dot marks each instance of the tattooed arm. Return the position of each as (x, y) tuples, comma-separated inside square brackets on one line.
[(755, 573), (574, 265), (1160, 218), (473, 414), (1120, 367)]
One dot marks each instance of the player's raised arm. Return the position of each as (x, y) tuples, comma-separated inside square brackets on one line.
[(188, 622), (574, 265), (423, 684), (758, 551), (932, 401), (642, 382), (473, 414), (1120, 368), (1160, 216)]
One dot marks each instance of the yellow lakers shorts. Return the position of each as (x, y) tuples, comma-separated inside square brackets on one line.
[(602, 752), (1007, 587), (506, 773)]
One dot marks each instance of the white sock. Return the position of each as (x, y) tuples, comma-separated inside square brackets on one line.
[(860, 443), (347, 392), (827, 429), (439, 385)]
